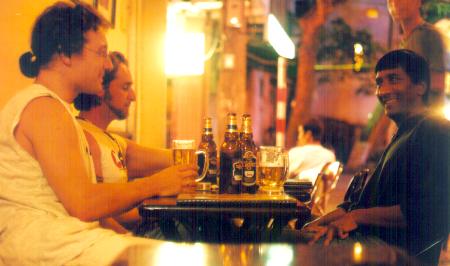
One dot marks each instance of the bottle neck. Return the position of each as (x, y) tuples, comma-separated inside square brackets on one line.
[(207, 137), (231, 135)]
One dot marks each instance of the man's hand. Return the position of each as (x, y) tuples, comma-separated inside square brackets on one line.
[(175, 179), (341, 227), (316, 230)]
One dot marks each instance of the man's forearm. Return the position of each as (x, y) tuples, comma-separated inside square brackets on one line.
[(143, 161), (379, 216)]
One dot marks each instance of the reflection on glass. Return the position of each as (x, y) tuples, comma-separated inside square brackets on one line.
[(357, 252), (278, 255), (176, 254)]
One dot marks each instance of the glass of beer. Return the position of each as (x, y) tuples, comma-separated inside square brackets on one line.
[(271, 169), (184, 152)]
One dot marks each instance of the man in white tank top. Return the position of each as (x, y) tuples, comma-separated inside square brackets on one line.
[(50, 203), (116, 159)]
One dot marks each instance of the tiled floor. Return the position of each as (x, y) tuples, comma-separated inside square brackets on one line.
[(338, 194)]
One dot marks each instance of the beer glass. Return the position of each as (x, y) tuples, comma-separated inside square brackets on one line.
[(271, 169), (184, 152)]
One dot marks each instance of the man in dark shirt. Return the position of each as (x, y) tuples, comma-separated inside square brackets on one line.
[(405, 201)]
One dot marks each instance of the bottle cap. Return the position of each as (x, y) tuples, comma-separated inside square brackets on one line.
[(232, 123)]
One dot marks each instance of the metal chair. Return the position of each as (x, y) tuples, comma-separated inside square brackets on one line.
[(326, 181), (356, 186)]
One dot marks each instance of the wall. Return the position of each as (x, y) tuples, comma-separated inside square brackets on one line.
[(150, 78), (16, 21)]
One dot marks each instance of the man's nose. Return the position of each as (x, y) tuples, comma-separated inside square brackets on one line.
[(132, 95)]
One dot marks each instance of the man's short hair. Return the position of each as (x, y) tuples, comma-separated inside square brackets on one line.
[(315, 126), (85, 102), (414, 65)]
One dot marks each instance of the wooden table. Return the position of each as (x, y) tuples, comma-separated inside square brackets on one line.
[(201, 254), (223, 217)]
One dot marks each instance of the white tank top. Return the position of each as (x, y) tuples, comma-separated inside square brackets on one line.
[(112, 153), (35, 228)]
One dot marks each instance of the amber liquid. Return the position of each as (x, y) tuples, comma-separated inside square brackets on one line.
[(270, 178), (184, 156)]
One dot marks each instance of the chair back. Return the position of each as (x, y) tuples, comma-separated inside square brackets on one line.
[(326, 181), (356, 186)]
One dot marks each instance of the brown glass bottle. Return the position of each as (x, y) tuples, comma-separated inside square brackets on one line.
[(208, 145), (230, 174), (248, 150)]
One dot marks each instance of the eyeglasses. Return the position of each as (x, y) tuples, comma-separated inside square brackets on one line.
[(101, 53)]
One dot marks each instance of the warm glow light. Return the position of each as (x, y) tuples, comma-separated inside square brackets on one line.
[(184, 50), (228, 61), (447, 111), (372, 13), (234, 21), (358, 49), (279, 39), (184, 54), (357, 252), (279, 255), (176, 254)]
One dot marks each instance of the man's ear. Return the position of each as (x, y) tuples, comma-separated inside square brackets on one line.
[(66, 60), (420, 88)]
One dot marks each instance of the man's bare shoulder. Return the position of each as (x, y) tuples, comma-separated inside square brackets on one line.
[(44, 115)]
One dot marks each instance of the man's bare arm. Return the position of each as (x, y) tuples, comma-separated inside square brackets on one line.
[(143, 161), (49, 128)]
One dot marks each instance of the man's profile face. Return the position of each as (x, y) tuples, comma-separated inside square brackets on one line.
[(401, 10), (90, 64), (397, 93), (121, 93)]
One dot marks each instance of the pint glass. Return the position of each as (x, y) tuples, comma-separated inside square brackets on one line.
[(184, 152), (271, 169)]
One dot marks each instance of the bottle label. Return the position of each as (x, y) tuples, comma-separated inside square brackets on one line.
[(249, 168), (212, 164), (237, 170)]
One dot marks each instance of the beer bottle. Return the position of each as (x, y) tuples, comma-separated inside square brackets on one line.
[(248, 149), (230, 174), (208, 145)]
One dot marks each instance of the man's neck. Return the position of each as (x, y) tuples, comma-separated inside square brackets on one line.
[(398, 120), (100, 116), (409, 24), (58, 83)]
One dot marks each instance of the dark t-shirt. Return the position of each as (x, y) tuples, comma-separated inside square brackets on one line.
[(413, 173)]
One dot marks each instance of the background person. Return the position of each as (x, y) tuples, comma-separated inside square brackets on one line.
[(405, 201), (307, 159), (49, 202), (424, 39)]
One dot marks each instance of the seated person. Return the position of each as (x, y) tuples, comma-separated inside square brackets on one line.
[(405, 201), (50, 202), (116, 159), (307, 159)]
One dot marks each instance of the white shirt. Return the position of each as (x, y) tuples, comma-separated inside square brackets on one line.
[(305, 162)]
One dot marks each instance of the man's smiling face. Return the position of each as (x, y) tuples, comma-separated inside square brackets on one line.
[(397, 93)]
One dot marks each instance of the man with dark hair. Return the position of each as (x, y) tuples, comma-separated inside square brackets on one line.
[(116, 159), (307, 159), (405, 201)]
